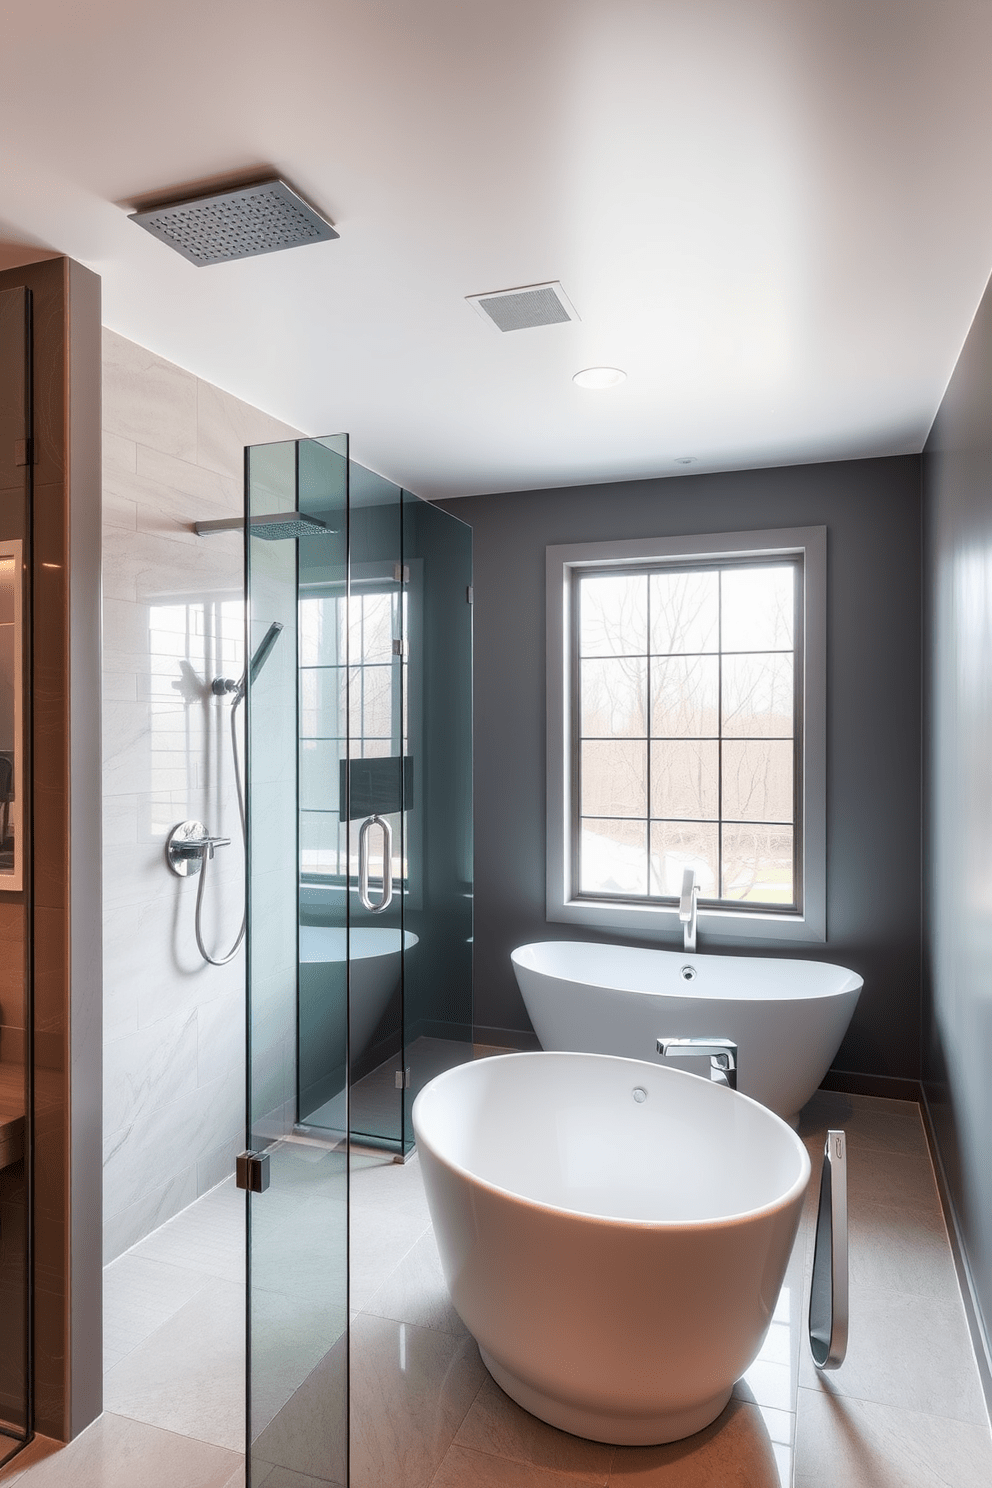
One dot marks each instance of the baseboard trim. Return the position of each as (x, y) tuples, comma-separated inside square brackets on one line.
[(980, 1341), (888, 1087), (505, 1038)]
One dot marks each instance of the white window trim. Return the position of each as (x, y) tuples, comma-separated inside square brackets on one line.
[(660, 922)]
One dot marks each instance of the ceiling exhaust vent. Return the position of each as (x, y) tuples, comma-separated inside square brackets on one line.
[(239, 223), (521, 309)]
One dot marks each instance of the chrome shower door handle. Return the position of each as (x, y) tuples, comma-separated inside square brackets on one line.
[(387, 864)]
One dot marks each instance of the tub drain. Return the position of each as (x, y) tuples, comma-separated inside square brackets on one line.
[(639, 1094)]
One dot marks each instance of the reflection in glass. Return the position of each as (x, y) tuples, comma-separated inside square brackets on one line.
[(685, 611), (684, 693), (758, 608), (613, 615), (757, 696), (757, 864), (614, 698), (613, 855), (676, 846), (758, 779), (685, 778), (614, 777)]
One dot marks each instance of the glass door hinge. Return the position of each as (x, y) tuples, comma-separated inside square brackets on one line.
[(401, 648), (23, 453), (469, 595), (401, 1079), (252, 1171), (401, 573)]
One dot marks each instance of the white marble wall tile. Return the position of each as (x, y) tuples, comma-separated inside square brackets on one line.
[(127, 1226), (147, 399), (173, 619), (119, 455), (169, 1138), (214, 1167), (225, 426), (220, 1045), (148, 1068)]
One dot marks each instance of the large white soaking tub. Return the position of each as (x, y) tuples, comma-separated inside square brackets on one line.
[(613, 1233), (787, 1017)]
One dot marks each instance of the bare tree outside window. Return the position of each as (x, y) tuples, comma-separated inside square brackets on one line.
[(687, 694)]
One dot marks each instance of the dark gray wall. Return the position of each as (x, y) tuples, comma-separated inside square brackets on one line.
[(871, 509), (957, 1046)]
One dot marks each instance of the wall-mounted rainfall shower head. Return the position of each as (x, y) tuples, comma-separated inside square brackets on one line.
[(273, 526)]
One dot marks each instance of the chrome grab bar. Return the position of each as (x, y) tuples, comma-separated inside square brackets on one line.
[(722, 1052), (387, 864), (828, 1298)]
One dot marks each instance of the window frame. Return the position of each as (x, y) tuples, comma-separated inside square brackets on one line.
[(657, 919)]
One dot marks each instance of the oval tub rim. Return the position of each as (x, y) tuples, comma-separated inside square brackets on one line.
[(583, 981), (663, 1226)]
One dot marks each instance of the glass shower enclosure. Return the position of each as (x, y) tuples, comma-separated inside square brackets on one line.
[(360, 893)]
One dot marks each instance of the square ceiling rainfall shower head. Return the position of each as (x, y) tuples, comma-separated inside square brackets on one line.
[(238, 223)]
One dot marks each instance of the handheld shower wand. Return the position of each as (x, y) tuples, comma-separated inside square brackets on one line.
[(222, 686)]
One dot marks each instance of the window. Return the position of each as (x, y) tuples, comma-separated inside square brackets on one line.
[(686, 730)]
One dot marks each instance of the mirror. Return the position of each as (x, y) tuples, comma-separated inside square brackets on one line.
[(11, 740)]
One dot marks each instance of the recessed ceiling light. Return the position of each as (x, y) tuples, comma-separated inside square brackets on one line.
[(685, 460), (599, 377)]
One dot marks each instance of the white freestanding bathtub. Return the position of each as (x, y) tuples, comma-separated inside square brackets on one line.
[(787, 1017), (613, 1233)]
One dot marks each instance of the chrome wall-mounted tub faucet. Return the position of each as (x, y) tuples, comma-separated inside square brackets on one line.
[(722, 1052)]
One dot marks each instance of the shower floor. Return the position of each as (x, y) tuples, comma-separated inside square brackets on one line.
[(374, 1098), (906, 1408)]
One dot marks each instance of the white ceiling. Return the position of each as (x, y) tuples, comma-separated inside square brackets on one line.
[(775, 215)]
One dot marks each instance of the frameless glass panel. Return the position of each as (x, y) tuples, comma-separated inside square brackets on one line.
[(758, 780), (758, 864), (685, 778), (684, 696), (757, 696), (437, 982), (613, 857), (297, 970), (676, 846), (613, 615), (614, 777), (613, 698), (758, 608), (685, 611)]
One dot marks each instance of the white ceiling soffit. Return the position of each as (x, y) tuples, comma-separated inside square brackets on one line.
[(774, 217)]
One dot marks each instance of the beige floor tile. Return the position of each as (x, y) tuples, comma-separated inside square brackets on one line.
[(139, 1295), (308, 1436), (118, 1453), (380, 1238), (859, 1444), (871, 1123), (901, 1249), (411, 1388), (416, 1291), (189, 1375), (284, 1477), (463, 1468), (496, 1425), (746, 1447), (907, 1351)]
